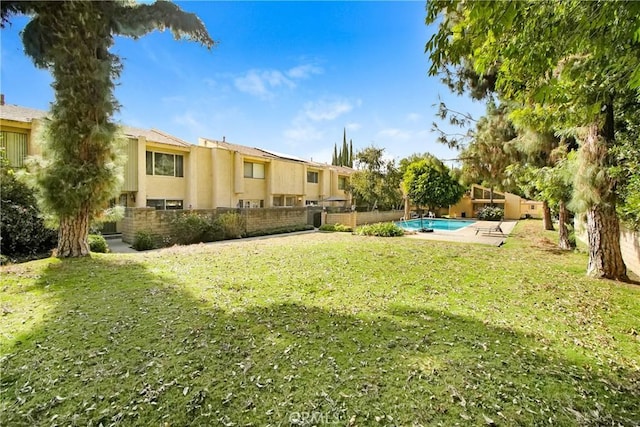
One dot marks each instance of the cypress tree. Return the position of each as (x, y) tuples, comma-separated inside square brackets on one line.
[(350, 153)]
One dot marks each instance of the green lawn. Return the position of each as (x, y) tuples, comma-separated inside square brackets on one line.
[(317, 329)]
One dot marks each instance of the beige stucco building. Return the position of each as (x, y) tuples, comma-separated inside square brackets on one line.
[(165, 172), (514, 206)]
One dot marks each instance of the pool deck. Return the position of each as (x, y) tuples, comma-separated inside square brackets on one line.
[(468, 234)]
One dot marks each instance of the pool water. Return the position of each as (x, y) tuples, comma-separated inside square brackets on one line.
[(435, 224)]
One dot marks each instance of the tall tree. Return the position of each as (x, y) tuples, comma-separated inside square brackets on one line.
[(376, 182), (428, 182), (73, 39), (578, 56), (491, 150), (345, 149), (334, 160), (350, 153)]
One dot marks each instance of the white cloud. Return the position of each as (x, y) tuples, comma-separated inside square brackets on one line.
[(414, 117), (301, 133), (353, 126), (263, 83), (304, 71), (394, 134), (326, 109)]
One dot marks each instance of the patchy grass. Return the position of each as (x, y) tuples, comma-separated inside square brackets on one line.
[(317, 329)]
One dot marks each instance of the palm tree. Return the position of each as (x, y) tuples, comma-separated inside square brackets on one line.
[(72, 39)]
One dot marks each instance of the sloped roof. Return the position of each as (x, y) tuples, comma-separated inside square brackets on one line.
[(17, 113), (243, 149), (155, 135)]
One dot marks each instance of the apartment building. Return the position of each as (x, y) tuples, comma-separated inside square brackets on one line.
[(165, 172)]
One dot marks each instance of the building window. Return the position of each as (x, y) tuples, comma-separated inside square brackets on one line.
[(290, 201), (312, 177), (311, 203), (533, 207), (173, 204), (158, 204), (253, 170), (278, 201), (163, 164), (162, 204), (250, 204), (13, 148), (342, 183)]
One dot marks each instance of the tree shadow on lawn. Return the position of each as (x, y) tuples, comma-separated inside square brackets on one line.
[(127, 346)]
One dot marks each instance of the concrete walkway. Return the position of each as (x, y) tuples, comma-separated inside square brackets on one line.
[(468, 234), (117, 246)]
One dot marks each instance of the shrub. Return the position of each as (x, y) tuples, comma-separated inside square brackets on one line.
[(232, 225), (22, 228), (490, 213), (192, 227), (97, 243), (143, 241), (279, 230), (381, 229), (335, 227)]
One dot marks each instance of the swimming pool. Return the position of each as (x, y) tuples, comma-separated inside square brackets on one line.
[(435, 224)]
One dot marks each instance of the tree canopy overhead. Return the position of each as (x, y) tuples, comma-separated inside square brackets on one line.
[(73, 39), (580, 59)]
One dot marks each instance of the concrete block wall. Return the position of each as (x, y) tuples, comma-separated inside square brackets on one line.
[(264, 219), (629, 244), (354, 219), (348, 219), (378, 216), (158, 222), (630, 247)]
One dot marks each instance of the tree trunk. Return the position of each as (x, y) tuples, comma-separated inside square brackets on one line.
[(563, 232), (603, 228), (72, 236), (605, 257), (546, 216)]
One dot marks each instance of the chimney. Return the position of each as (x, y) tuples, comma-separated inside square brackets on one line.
[(2, 99)]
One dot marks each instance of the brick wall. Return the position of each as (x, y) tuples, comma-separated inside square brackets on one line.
[(159, 222)]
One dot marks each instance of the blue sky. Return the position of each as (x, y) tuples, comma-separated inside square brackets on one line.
[(285, 76)]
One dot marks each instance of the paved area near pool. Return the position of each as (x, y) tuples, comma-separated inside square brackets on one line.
[(468, 234)]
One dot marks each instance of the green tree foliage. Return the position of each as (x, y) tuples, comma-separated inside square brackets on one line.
[(376, 182), (73, 39), (553, 185), (345, 157), (580, 58), (22, 228), (492, 149), (428, 183)]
